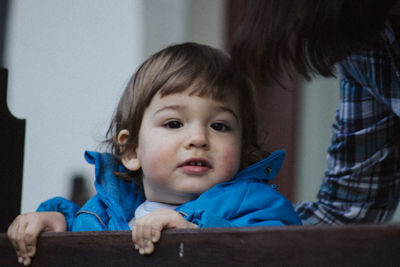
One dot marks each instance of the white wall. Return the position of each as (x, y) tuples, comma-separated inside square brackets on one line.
[(171, 21), (68, 63), (318, 102)]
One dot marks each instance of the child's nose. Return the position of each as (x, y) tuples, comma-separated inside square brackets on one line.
[(198, 138)]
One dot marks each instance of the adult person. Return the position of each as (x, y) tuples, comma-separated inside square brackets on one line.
[(360, 38)]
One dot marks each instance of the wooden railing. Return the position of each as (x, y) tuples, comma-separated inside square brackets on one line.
[(355, 245)]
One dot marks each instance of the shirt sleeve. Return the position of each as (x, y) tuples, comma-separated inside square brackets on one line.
[(361, 183)]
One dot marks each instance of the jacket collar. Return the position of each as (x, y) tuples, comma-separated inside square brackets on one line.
[(114, 192), (265, 169)]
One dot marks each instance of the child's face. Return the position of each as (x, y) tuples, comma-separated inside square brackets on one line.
[(187, 144)]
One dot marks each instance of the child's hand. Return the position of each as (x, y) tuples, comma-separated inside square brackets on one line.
[(147, 229), (24, 230)]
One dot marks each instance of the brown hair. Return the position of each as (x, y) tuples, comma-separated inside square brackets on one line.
[(305, 36), (207, 71)]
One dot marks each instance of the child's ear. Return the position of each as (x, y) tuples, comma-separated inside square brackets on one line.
[(129, 158), (131, 161)]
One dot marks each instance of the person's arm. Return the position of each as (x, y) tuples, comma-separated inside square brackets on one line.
[(361, 181)]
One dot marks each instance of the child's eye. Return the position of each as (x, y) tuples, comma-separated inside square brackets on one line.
[(218, 126), (173, 124)]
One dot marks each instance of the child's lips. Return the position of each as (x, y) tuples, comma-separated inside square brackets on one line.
[(196, 166)]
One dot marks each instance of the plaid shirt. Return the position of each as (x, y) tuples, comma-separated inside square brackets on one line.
[(362, 180)]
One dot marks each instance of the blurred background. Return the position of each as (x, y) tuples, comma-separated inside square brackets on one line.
[(69, 61)]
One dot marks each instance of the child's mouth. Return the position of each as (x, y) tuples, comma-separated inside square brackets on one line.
[(196, 162), (193, 163), (196, 166)]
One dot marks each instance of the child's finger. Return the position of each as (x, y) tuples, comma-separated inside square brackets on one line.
[(153, 238), (155, 235), (142, 240), (31, 236), (28, 244), (147, 234), (135, 238), (20, 238), (143, 235), (12, 236), (27, 261), (31, 250), (20, 244), (138, 236), (148, 246)]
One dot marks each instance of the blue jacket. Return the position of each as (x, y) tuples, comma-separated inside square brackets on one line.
[(246, 200)]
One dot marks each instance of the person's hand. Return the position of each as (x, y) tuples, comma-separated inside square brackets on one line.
[(25, 229), (147, 229)]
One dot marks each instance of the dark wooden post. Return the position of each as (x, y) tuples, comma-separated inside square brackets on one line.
[(12, 139), (278, 109)]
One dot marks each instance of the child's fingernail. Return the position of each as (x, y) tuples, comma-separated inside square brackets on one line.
[(154, 239), (136, 247), (20, 260)]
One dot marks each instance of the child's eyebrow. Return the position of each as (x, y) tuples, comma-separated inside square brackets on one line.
[(181, 107), (229, 110), (173, 107)]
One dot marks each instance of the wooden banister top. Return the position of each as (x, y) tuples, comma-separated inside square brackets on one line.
[(352, 245)]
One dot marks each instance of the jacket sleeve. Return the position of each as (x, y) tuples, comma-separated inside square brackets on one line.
[(86, 221), (60, 204), (92, 216), (247, 203)]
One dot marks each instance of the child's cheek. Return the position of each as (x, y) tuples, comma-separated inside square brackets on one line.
[(231, 161), (157, 160)]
